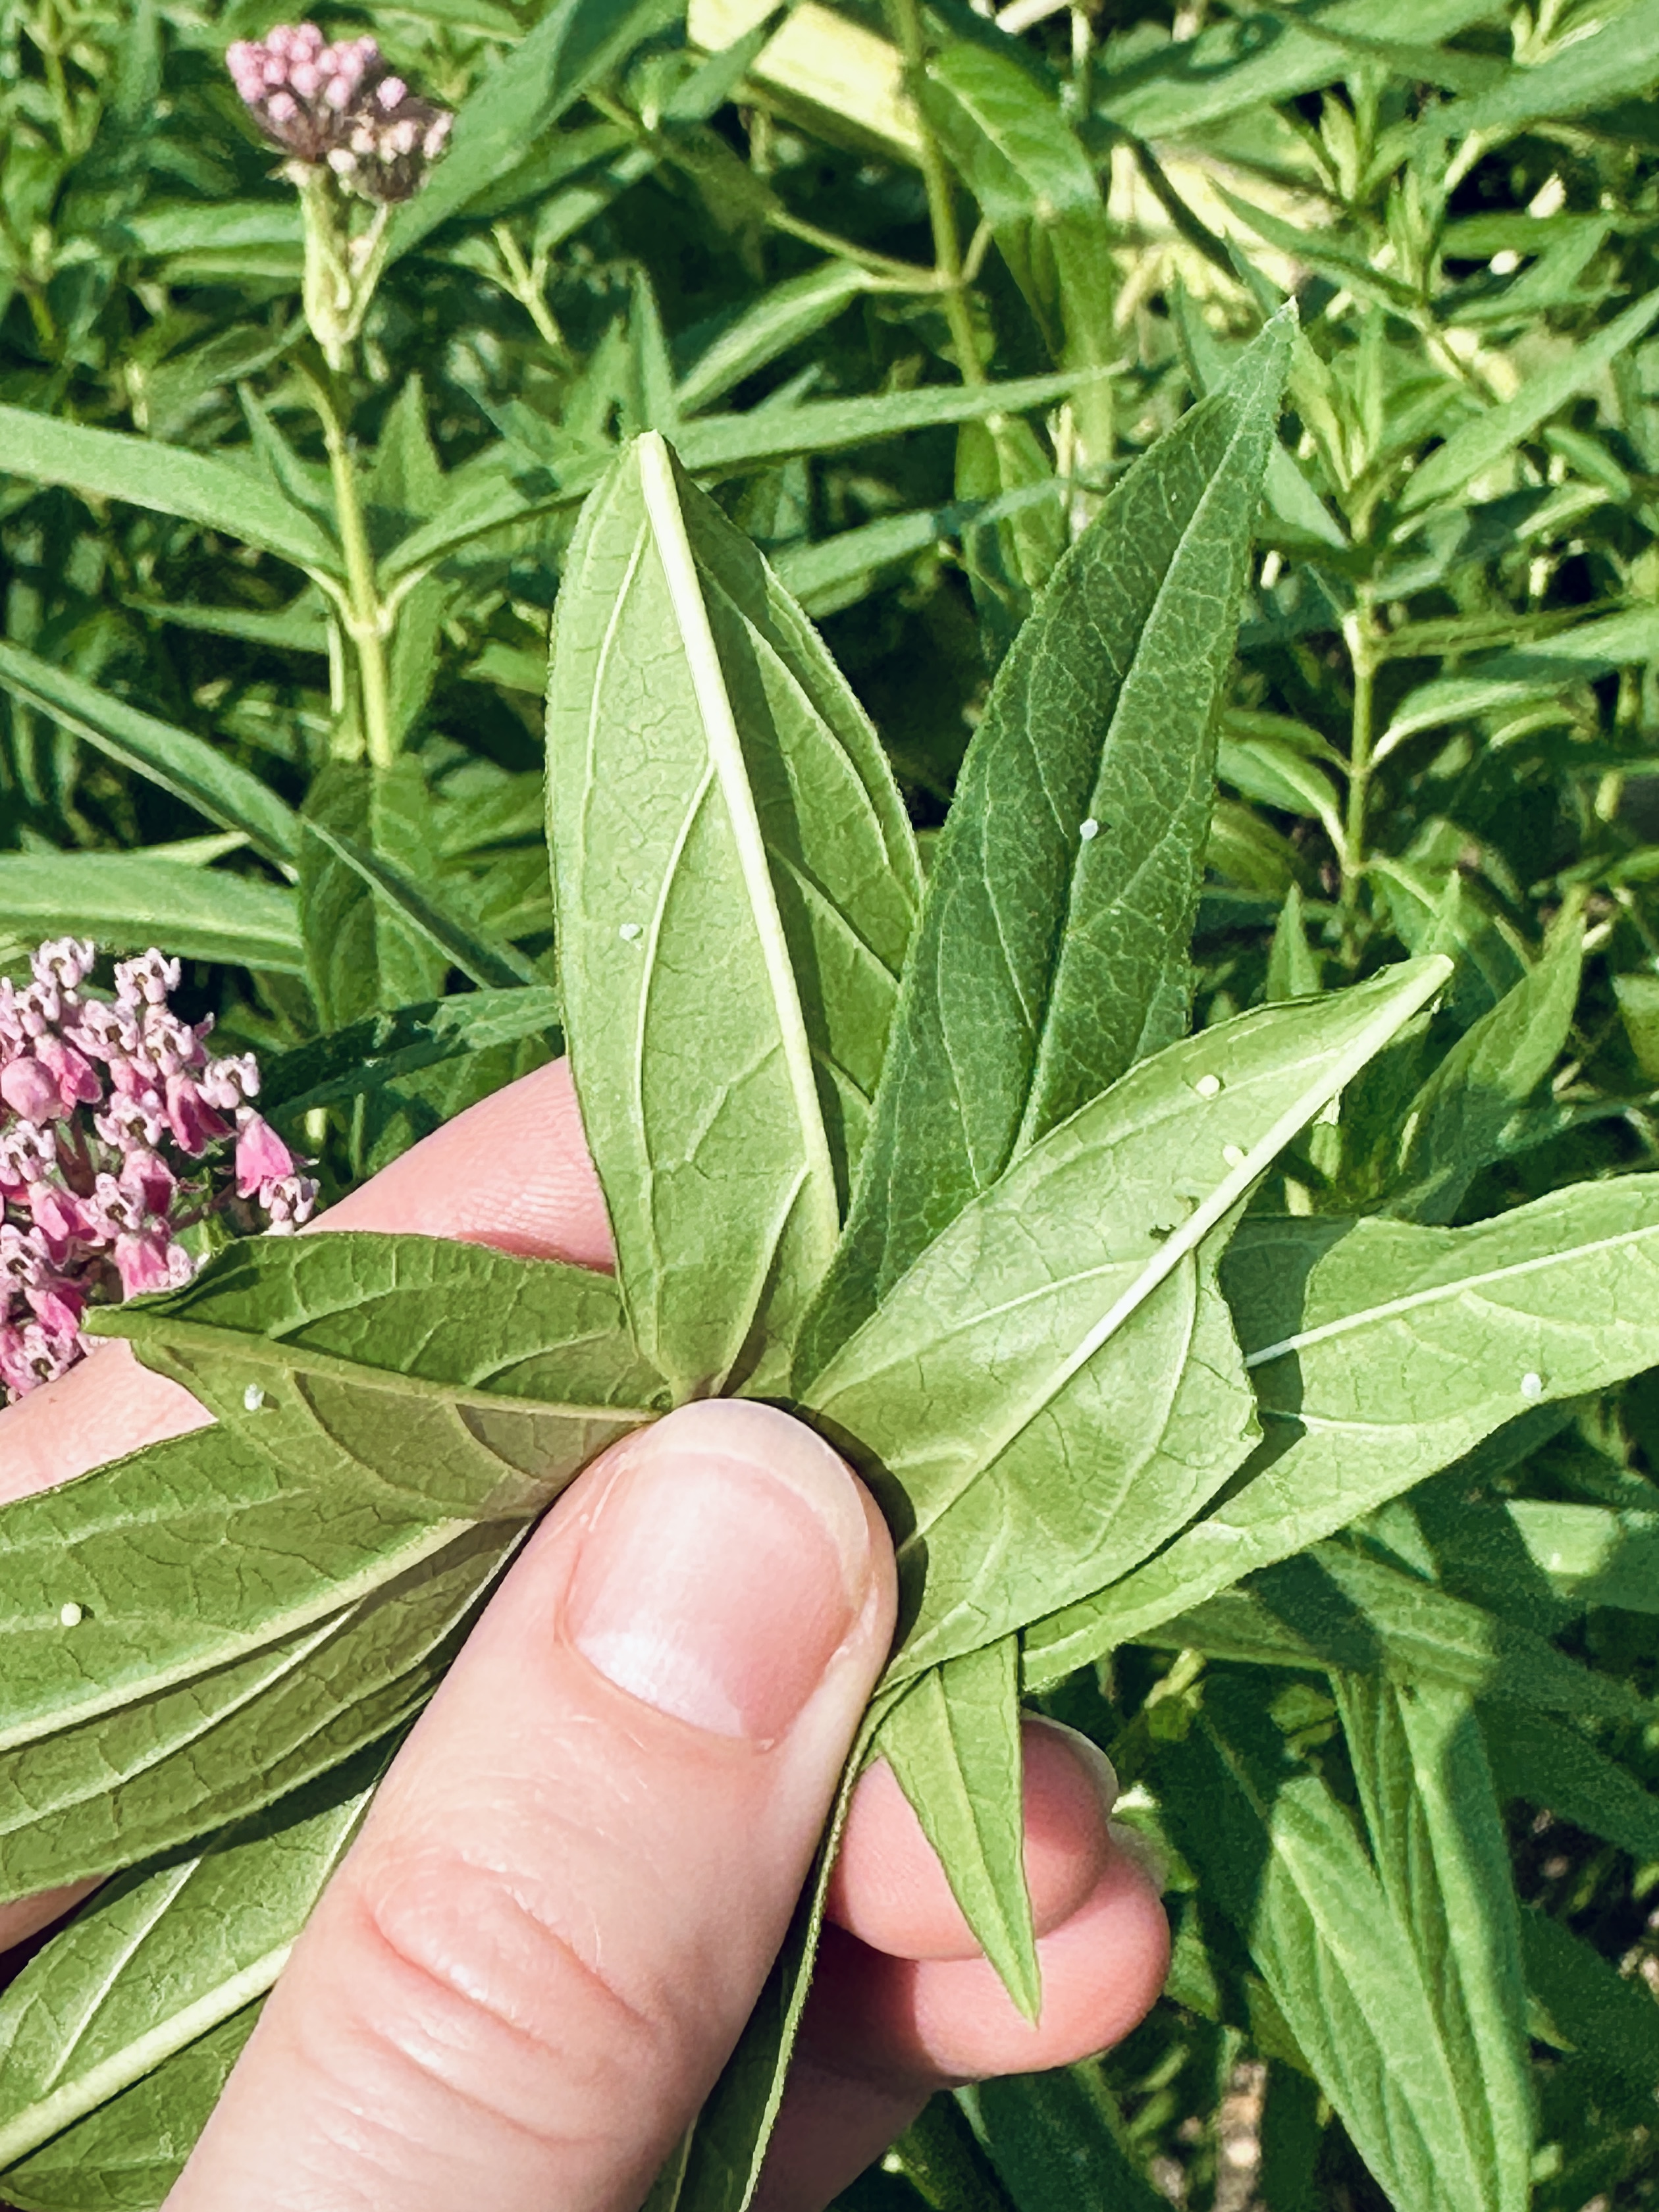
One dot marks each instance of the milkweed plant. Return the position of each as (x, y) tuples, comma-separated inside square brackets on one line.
[(1034, 640)]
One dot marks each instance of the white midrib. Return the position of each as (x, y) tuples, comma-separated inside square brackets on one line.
[(662, 506), (1438, 1293), (1340, 1071), (336, 1598), (50, 2115)]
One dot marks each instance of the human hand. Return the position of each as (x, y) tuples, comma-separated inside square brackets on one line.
[(533, 1962)]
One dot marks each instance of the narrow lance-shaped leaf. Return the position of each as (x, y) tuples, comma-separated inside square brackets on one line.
[(735, 882), (198, 487), (1476, 444), (1336, 1606), (1021, 160), (1052, 951), (718, 2169), (574, 44), (99, 2033), (427, 914), (383, 1048), (129, 900), (1554, 1768), (1382, 1352), (177, 760), (1456, 1120), (1441, 1850), (953, 1743), (1279, 1854), (1000, 1399)]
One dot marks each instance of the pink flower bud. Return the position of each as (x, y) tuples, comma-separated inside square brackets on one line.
[(194, 1124), (262, 1158), (390, 91), (145, 1262), (59, 1216), (28, 1089), (76, 1080)]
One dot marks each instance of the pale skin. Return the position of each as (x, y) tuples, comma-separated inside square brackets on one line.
[(538, 1954)]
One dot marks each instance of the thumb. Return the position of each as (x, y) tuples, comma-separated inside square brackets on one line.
[(537, 1957)]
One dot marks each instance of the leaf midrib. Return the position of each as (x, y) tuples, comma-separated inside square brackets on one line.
[(281, 1355), (339, 1597), (685, 593), (1438, 1293), (1029, 1132)]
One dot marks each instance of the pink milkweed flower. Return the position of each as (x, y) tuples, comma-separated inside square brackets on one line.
[(262, 1158), (71, 1071), (150, 1260), (28, 1089), (114, 1129)]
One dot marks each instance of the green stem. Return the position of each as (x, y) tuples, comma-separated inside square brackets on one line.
[(941, 202), (366, 620), (525, 288), (1359, 631)]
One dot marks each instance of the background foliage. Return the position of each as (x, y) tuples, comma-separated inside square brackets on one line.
[(1442, 734)]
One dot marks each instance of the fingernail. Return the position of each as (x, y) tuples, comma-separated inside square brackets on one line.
[(725, 1566)]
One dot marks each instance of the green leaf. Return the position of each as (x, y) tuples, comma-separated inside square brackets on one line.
[(417, 932), (138, 2144), (1335, 1606), (780, 318), (157, 1959), (722, 445), (735, 882), (385, 1047), (262, 1599), (1592, 1555), (1288, 494), (1009, 560), (1438, 1840), (719, 2169), (1058, 2141), (1278, 1853), (1617, 61), (1021, 160), (997, 1398), (179, 761), (1293, 968), (1555, 1769), (1456, 1120), (1052, 955), (1479, 445), (1382, 1351), (1525, 672), (363, 951), (1613, 2022), (129, 901), (220, 495), (575, 44), (953, 1743)]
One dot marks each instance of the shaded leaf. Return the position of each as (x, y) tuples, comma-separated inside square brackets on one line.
[(1381, 1351), (1048, 960), (177, 760), (953, 1743)]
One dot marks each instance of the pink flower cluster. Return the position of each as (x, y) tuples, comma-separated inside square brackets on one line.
[(114, 1124), (341, 107)]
